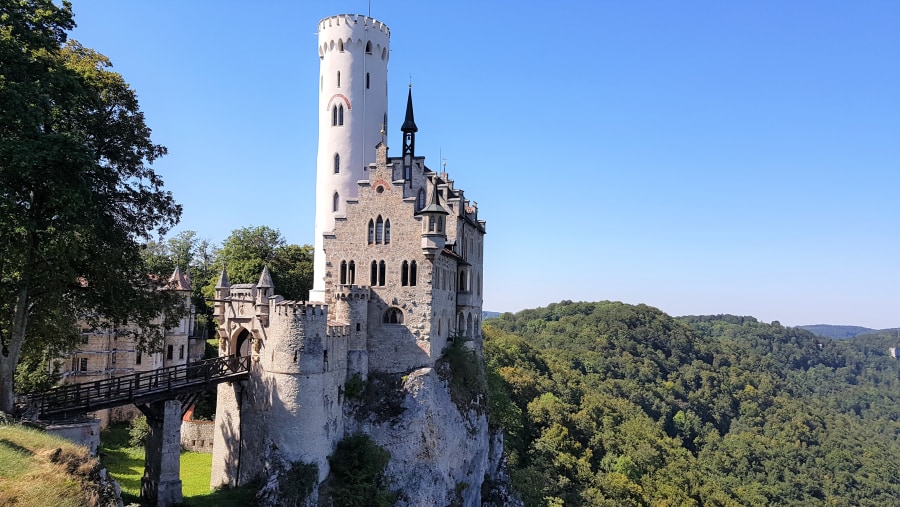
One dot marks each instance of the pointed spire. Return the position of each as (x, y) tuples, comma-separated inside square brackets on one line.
[(409, 124), (265, 279), (223, 280)]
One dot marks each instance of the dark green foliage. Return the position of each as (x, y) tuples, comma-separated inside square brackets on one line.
[(138, 430), (303, 478), (357, 474), (464, 372), (613, 404), (354, 387)]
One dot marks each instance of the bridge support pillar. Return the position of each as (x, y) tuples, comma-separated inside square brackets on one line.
[(161, 484)]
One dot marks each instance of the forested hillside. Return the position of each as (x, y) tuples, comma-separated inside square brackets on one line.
[(612, 404)]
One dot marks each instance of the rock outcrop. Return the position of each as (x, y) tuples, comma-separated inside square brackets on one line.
[(442, 454)]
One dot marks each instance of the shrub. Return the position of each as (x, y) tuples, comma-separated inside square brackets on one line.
[(357, 469), (138, 431)]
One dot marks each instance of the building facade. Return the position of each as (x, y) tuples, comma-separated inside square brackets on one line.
[(398, 273), (109, 352)]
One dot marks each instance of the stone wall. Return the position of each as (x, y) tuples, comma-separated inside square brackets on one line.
[(197, 436)]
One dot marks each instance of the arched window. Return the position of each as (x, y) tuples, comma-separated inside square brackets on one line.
[(343, 272), (412, 274), (334, 116), (383, 53), (440, 225), (404, 273), (373, 278), (431, 223), (379, 230), (371, 231), (369, 47), (341, 114), (341, 49), (387, 232), (381, 273), (338, 79), (393, 316), (337, 163), (351, 272), (462, 281), (336, 202), (420, 200)]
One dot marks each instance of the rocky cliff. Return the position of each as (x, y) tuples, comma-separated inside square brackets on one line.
[(442, 450)]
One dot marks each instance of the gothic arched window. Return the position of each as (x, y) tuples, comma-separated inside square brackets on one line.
[(337, 163), (387, 232), (340, 48), (404, 274), (336, 202), (351, 272), (369, 47), (371, 231), (412, 274), (343, 272), (334, 116), (379, 230), (341, 114), (381, 271), (393, 316), (420, 200), (373, 278)]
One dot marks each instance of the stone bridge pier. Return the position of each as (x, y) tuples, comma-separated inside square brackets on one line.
[(161, 484)]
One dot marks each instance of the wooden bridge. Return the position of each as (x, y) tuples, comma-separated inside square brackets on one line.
[(181, 382), (162, 395)]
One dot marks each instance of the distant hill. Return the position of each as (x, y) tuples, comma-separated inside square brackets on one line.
[(837, 332), (612, 404), (489, 315)]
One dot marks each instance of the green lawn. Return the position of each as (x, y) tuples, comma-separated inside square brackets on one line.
[(126, 464)]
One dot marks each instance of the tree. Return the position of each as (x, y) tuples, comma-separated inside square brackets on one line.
[(77, 193), (247, 250)]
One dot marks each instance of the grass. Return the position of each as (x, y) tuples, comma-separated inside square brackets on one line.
[(126, 464), (29, 457)]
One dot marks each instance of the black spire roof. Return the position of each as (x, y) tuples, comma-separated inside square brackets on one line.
[(409, 124)]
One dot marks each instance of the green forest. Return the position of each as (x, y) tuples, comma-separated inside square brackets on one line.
[(614, 404)]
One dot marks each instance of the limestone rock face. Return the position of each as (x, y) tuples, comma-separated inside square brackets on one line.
[(439, 456)]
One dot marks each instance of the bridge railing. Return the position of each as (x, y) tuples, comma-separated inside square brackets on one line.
[(106, 393)]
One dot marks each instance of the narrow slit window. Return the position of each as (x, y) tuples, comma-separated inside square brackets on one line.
[(373, 279), (343, 272), (371, 231), (404, 274), (381, 274), (352, 272), (412, 274), (337, 163), (336, 202), (338, 79), (341, 114), (367, 80)]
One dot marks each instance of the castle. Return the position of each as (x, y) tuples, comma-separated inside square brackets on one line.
[(398, 273)]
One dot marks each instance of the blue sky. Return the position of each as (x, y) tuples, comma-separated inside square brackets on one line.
[(699, 157)]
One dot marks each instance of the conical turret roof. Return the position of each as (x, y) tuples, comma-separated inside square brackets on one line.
[(265, 279), (178, 281), (223, 280)]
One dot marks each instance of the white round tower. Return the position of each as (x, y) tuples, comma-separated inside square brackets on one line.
[(353, 54)]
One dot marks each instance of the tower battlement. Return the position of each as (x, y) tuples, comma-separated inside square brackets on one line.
[(353, 21), (301, 309)]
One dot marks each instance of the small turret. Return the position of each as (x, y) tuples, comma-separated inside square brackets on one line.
[(223, 291), (433, 232), (264, 290), (179, 282)]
